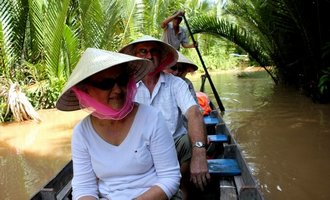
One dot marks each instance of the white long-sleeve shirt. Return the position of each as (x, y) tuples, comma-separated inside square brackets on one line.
[(145, 158)]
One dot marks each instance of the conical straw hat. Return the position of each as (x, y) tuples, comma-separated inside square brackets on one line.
[(186, 62), (93, 61), (168, 56)]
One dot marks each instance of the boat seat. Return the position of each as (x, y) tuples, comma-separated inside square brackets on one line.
[(215, 145), (218, 138), (224, 167), (211, 120)]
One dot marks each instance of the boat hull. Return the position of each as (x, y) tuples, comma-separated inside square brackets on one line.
[(223, 186)]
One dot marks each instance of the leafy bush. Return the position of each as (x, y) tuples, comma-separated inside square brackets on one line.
[(324, 82), (43, 95), (3, 100), (4, 116)]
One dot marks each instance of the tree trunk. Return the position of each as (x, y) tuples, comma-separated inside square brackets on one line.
[(20, 105)]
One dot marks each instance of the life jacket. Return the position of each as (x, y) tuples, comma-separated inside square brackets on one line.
[(204, 102)]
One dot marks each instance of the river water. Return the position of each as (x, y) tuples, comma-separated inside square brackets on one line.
[(283, 135)]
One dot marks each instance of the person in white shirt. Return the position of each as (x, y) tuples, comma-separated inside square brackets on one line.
[(123, 150), (171, 95), (182, 67)]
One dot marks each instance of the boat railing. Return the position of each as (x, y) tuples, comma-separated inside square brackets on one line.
[(59, 187)]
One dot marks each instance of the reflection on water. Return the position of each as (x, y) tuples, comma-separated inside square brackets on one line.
[(288, 141), (32, 152), (284, 136)]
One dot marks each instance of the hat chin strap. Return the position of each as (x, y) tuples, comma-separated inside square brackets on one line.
[(103, 111)]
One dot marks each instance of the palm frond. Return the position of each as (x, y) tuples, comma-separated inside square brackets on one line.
[(71, 53), (233, 33), (20, 8), (149, 14), (92, 19), (113, 26), (4, 60), (37, 29), (127, 20), (13, 24), (55, 19)]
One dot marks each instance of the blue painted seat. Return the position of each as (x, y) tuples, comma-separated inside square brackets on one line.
[(224, 167), (218, 138), (210, 120)]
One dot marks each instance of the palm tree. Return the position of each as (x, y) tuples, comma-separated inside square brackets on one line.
[(41, 41), (285, 33), (241, 37), (13, 15)]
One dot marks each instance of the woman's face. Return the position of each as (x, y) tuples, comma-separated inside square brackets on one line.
[(109, 86)]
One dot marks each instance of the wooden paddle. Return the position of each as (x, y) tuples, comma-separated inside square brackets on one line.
[(216, 95)]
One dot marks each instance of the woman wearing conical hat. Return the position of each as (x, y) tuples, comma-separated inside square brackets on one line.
[(116, 154)]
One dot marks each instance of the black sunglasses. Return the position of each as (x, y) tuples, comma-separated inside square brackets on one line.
[(152, 51), (176, 68), (109, 83)]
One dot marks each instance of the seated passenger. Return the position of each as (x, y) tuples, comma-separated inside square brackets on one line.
[(170, 94), (182, 67), (123, 150)]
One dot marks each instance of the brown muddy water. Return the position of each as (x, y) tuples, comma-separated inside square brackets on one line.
[(283, 135), (31, 152)]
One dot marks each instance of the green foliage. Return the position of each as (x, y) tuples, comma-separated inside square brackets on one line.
[(4, 87), (45, 94), (214, 58), (54, 28), (42, 40), (34, 73), (4, 116), (256, 45), (324, 82), (296, 32), (283, 33), (13, 17)]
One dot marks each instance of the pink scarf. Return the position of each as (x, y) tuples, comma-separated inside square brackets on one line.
[(103, 111), (161, 66)]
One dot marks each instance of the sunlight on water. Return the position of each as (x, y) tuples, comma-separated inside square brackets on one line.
[(283, 135), (32, 152), (41, 138)]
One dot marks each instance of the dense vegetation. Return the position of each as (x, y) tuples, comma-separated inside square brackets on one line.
[(42, 40), (292, 35)]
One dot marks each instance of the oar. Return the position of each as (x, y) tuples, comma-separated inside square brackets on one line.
[(216, 95)]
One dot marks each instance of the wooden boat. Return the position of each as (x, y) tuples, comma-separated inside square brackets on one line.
[(231, 177), (59, 188)]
